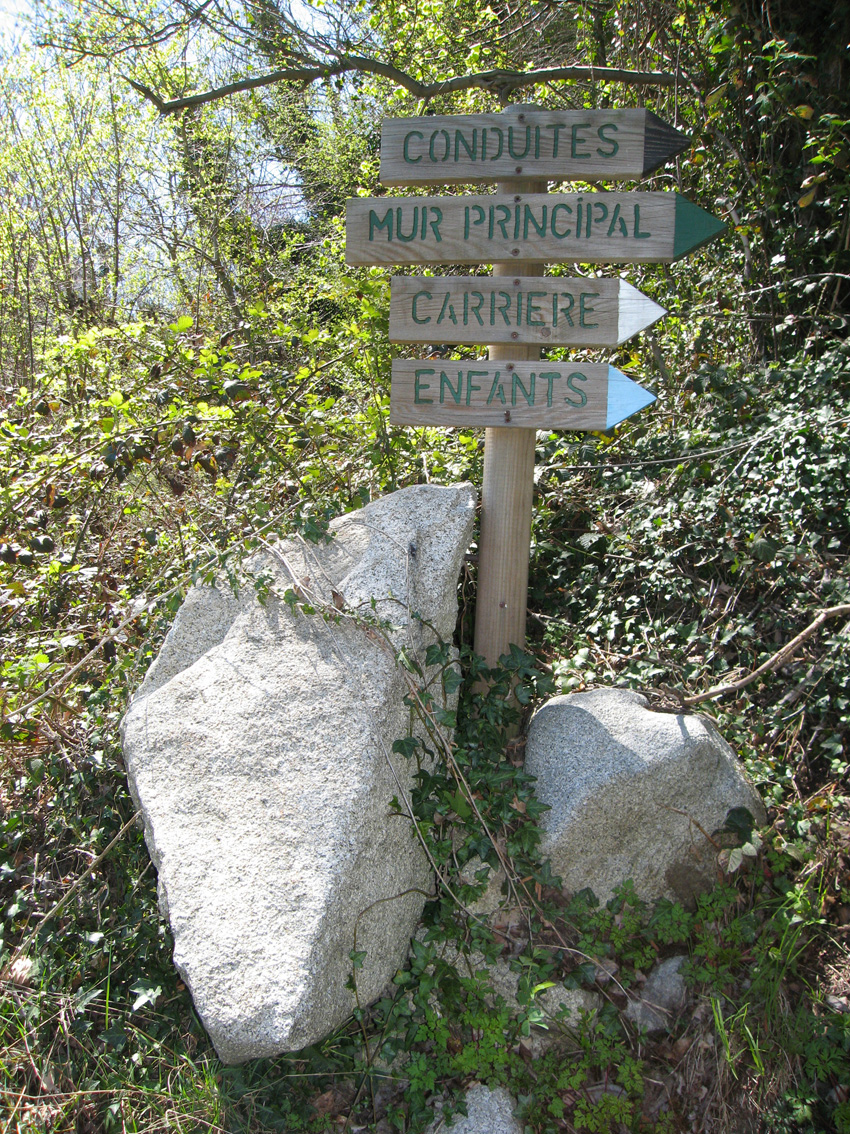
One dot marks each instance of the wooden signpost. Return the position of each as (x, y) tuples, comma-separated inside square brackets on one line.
[(522, 395), (517, 310)]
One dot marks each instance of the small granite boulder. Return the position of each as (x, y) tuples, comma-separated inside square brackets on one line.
[(488, 1112), (632, 793), (259, 749), (664, 997)]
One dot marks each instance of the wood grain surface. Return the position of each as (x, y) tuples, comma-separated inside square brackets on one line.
[(536, 228), (559, 145), (548, 311)]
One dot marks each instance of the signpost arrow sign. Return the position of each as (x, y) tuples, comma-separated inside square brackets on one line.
[(548, 311), (524, 395), (541, 227), (559, 145), (516, 311)]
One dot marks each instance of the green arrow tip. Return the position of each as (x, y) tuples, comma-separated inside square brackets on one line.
[(694, 227)]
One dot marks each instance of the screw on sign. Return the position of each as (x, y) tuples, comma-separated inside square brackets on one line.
[(518, 310)]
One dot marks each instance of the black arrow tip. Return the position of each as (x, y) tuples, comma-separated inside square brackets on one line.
[(661, 142)]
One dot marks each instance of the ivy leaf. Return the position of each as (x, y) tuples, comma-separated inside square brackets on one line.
[(763, 549), (146, 993), (357, 957)]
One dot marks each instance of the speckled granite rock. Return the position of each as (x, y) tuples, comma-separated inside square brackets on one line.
[(631, 792), (489, 1112), (259, 749)]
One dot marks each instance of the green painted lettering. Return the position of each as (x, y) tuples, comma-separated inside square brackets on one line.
[(386, 223), (585, 309), (505, 307), (532, 309), (470, 374), (511, 150), (528, 216), (638, 234), (556, 127), (582, 395), (432, 153), (447, 310), (466, 218), (498, 130), (503, 223), (471, 150), (405, 151), (565, 311), (528, 394), (399, 213), (419, 385), (549, 378), (615, 145), (552, 228), (416, 298), (576, 140), (496, 390), (436, 222), (445, 382), (616, 219), (476, 308)]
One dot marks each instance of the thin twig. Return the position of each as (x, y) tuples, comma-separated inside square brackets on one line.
[(774, 662), (25, 944)]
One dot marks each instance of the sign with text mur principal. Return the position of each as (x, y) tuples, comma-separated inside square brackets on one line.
[(605, 228)]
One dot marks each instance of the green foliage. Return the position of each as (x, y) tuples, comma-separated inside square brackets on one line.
[(189, 369)]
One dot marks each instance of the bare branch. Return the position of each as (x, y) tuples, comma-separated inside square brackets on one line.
[(497, 80), (774, 662)]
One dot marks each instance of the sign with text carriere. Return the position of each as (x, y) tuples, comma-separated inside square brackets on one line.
[(547, 310), (559, 145)]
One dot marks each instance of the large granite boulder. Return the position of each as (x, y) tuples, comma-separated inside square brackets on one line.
[(259, 749), (633, 794)]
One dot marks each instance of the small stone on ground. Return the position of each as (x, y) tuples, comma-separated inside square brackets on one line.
[(489, 1112)]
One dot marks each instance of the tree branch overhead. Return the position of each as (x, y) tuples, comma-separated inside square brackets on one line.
[(502, 81)]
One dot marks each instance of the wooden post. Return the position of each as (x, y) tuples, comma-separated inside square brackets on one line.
[(506, 500), (555, 228)]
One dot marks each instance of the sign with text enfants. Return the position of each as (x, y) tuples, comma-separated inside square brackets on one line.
[(525, 395), (606, 228), (558, 145)]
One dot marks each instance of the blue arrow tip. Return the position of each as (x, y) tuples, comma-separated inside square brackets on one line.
[(625, 397)]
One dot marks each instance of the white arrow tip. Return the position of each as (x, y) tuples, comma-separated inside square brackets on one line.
[(625, 397), (637, 312)]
